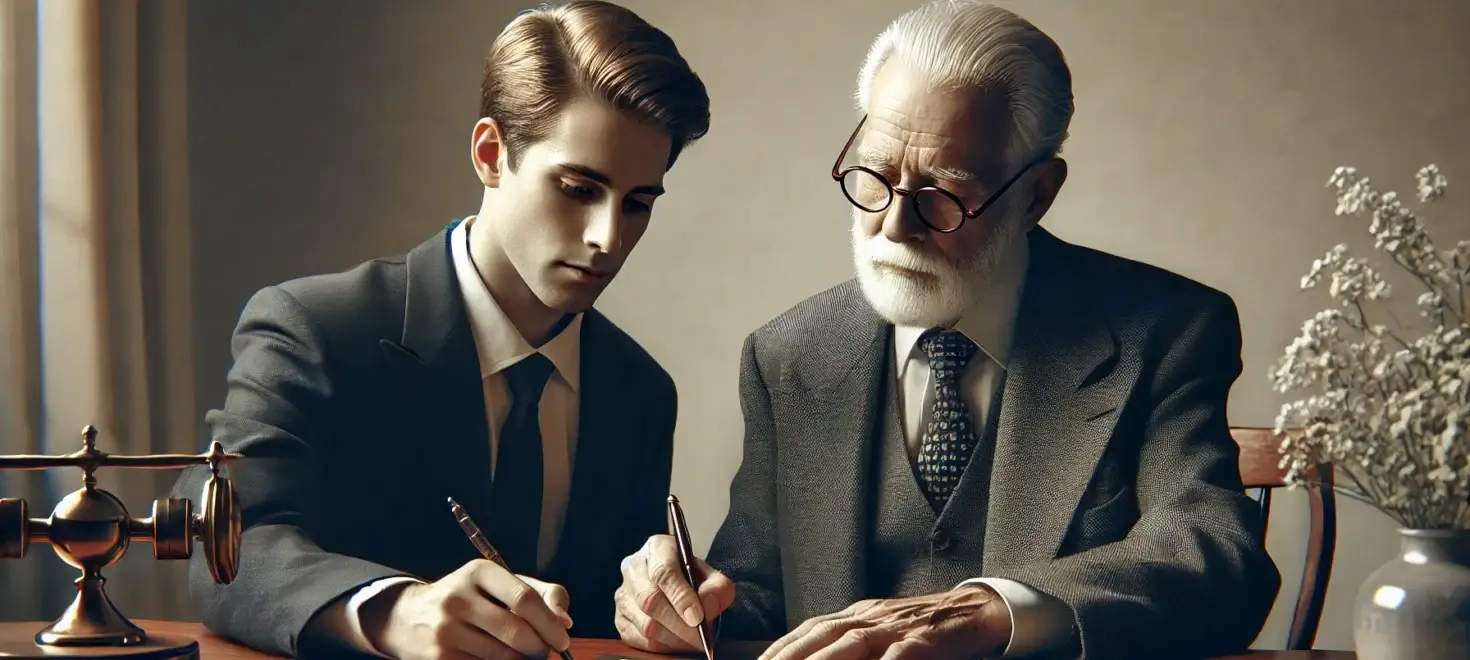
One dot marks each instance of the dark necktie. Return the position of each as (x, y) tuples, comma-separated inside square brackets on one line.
[(949, 438), (516, 492)]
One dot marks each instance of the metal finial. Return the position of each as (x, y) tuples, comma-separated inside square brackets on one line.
[(215, 457)]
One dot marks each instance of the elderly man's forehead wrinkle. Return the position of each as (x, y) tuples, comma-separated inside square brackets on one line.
[(936, 155), (892, 128)]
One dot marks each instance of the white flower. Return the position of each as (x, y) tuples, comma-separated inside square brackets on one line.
[(1389, 413), (1431, 183)]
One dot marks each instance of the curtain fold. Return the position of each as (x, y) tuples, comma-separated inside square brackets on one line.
[(101, 250), (20, 330)]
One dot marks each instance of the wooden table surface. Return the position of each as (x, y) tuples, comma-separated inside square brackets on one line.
[(214, 648)]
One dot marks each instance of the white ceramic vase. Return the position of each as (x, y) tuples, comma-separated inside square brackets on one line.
[(1417, 605)]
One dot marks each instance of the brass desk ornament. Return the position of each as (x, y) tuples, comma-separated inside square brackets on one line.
[(91, 529)]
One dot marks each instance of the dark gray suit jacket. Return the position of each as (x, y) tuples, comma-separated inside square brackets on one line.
[(362, 392), (1115, 484)]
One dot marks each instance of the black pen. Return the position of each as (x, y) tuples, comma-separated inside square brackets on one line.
[(486, 550), (680, 529)]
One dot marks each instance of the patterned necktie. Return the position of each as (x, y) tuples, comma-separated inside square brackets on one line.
[(949, 438), (516, 490)]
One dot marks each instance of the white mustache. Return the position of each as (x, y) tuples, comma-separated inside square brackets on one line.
[(883, 252)]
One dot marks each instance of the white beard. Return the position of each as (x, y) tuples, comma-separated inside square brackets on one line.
[(939, 292)]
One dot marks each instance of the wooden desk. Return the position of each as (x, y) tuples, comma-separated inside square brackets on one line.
[(212, 647)]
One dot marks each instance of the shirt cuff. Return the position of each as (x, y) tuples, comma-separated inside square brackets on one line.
[(1039, 621), (343, 621)]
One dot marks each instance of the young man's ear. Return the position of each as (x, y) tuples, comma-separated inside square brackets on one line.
[(487, 152)]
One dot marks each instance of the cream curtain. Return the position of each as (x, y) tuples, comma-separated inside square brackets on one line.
[(95, 298), (20, 377)]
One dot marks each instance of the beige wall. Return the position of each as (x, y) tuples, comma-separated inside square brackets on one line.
[(325, 133)]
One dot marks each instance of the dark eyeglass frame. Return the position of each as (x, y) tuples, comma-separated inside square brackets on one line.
[(893, 190)]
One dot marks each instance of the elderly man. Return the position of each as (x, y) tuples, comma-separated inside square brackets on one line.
[(991, 442)]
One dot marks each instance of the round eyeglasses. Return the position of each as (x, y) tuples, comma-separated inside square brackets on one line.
[(939, 209)]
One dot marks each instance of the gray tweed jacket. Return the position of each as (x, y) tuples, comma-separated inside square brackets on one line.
[(1115, 484)]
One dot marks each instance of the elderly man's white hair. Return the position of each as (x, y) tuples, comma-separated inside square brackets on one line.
[(959, 44)]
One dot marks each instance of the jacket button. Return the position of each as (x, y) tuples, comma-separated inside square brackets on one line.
[(939, 540)]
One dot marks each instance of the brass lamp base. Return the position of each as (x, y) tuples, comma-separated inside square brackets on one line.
[(91, 620), (18, 640)]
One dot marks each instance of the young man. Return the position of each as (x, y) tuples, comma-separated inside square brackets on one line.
[(473, 368), (991, 442)]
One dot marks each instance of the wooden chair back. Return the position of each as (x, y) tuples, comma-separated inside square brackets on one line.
[(1260, 457)]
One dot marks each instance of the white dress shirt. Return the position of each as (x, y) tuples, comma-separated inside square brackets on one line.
[(1038, 621), (499, 345)]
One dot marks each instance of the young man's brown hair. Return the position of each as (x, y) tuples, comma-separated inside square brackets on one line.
[(598, 50)]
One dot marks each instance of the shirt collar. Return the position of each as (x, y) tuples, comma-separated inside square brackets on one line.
[(497, 342), (990, 321)]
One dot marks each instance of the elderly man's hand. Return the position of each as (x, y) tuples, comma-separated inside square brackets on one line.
[(964, 623), (656, 609)]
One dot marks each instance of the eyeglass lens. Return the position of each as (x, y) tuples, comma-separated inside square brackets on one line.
[(873, 194)]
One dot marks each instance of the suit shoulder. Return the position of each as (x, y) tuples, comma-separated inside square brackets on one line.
[(1133, 284), (636, 358), (813, 315), (352, 298), (362, 281)]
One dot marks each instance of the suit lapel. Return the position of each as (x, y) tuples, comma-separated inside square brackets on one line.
[(834, 405), (434, 367), (600, 456), (1059, 407)]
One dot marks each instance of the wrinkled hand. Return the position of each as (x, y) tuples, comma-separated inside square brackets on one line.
[(963, 623), (480, 610), (657, 610)]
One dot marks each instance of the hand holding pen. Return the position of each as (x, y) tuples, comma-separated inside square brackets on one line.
[(542, 599), (481, 610), (657, 608)]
